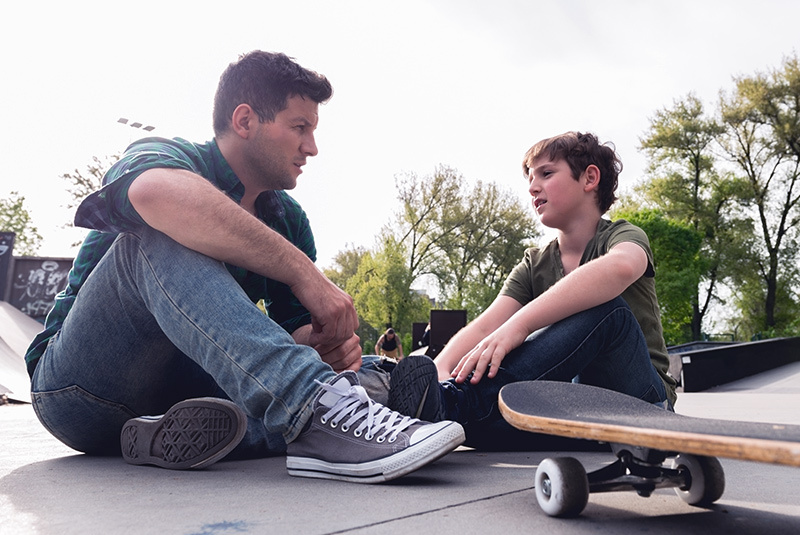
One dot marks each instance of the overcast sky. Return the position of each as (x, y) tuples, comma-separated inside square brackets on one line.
[(463, 83)]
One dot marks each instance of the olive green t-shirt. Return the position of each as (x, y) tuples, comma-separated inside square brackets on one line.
[(541, 268)]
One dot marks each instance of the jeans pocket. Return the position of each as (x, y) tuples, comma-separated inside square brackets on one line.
[(81, 420)]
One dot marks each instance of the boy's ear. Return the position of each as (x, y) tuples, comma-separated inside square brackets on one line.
[(591, 177)]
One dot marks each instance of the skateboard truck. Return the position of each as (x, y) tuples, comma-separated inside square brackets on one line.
[(563, 486), (640, 469)]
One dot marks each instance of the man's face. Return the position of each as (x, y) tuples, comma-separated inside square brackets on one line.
[(278, 150)]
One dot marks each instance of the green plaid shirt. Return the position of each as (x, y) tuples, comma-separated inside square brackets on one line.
[(109, 212)]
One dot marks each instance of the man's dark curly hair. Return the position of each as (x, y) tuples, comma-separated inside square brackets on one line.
[(265, 81)]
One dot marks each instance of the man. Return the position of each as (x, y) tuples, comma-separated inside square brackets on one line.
[(389, 345), (159, 314)]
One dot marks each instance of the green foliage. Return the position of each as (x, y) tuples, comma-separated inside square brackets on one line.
[(490, 231), (468, 237), (676, 249), (345, 266), (746, 205), (381, 290), (686, 187), (762, 139), (465, 239), (14, 217), (749, 299)]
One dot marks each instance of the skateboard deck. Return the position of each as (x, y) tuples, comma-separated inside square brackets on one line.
[(642, 436)]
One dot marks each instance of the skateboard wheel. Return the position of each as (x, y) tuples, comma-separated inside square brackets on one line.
[(562, 488), (706, 479)]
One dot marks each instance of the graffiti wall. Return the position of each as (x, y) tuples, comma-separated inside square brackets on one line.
[(35, 283)]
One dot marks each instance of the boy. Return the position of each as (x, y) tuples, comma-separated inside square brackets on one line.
[(582, 308)]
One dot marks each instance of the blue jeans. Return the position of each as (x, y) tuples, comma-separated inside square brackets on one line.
[(603, 346), (157, 323)]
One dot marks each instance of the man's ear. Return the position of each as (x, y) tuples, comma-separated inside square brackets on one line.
[(591, 178), (243, 120)]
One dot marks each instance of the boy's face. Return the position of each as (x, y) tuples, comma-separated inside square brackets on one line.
[(557, 196)]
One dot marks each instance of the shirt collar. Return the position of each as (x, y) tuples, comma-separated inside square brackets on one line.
[(227, 180)]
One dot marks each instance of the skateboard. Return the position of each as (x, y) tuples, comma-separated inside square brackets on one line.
[(655, 448)]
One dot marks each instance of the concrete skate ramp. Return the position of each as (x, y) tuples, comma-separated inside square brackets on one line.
[(16, 332)]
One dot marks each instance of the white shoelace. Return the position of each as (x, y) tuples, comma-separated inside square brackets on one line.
[(355, 403)]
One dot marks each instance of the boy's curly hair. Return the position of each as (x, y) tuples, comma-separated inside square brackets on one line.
[(580, 151)]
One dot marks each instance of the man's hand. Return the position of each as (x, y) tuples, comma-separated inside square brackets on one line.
[(333, 316), (345, 356), (341, 357)]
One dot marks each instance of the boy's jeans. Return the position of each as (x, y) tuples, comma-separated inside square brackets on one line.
[(603, 346), (156, 323)]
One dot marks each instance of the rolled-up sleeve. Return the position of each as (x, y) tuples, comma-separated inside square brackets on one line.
[(109, 209)]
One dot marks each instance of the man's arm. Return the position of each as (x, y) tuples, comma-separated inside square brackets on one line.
[(378, 345), (590, 285), (194, 213)]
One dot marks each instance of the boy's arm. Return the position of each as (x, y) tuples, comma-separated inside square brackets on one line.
[(501, 309), (590, 285), (193, 212)]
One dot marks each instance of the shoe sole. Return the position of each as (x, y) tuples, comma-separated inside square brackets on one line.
[(414, 389), (192, 434), (449, 436)]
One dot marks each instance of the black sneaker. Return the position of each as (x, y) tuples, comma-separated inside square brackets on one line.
[(194, 433), (414, 389)]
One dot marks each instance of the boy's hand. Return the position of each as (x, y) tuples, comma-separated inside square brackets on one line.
[(489, 353)]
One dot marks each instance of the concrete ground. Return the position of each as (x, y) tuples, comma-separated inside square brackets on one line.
[(47, 488)]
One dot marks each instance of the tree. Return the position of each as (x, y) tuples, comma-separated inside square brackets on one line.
[(762, 139), (676, 249), (345, 265), (381, 289), (467, 238), (14, 217), (490, 232), (81, 184), (685, 186), (424, 201)]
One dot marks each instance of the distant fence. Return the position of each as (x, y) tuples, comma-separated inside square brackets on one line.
[(703, 365), (30, 283)]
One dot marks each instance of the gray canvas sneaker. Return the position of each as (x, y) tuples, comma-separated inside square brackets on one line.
[(194, 433), (352, 438)]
